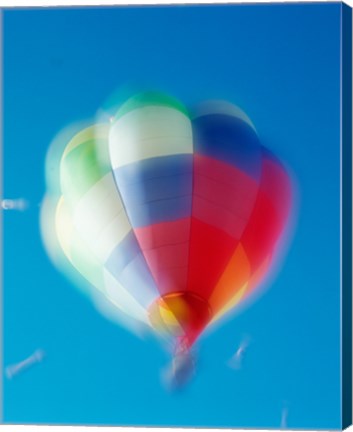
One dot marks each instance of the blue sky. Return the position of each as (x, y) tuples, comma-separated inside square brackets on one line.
[(280, 64)]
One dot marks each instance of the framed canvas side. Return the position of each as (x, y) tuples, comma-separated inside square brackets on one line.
[(1, 217), (346, 208)]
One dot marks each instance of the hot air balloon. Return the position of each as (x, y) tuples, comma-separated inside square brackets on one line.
[(174, 218)]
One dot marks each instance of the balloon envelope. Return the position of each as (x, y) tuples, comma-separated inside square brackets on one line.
[(180, 217)]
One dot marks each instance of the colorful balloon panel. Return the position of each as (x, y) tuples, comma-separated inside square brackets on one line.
[(93, 228), (182, 214)]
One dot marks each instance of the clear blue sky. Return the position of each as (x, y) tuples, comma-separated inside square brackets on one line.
[(280, 64)]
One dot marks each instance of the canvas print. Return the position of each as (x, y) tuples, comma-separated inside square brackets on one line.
[(177, 216)]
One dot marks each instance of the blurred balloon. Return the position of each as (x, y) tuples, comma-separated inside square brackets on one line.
[(284, 417), (18, 204), (173, 218), (15, 369), (236, 361)]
